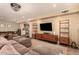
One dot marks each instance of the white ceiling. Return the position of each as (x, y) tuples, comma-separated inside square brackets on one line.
[(32, 10)]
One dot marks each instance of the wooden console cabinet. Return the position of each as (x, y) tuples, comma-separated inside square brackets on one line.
[(47, 37), (38, 36)]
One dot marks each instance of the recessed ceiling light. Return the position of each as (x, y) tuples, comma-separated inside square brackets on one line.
[(54, 5)]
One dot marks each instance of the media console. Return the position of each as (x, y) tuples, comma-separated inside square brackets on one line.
[(46, 37)]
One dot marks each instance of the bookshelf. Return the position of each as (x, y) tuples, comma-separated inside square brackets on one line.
[(64, 32), (26, 28), (34, 28)]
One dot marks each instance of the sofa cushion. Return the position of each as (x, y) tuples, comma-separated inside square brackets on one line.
[(3, 41), (12, 42), (15, 37)]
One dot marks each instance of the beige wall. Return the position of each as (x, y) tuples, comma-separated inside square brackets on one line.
[(74, 25)]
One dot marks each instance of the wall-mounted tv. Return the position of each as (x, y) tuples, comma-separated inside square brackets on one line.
[(46, 26)]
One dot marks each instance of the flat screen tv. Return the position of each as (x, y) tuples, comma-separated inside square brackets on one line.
[(46, 26)]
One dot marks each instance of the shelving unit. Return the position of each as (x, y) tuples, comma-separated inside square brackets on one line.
[(26, 28), (64, 32), (34, 27), (34, 30)]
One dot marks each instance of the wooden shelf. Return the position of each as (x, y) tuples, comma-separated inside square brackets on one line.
[(64, 32), (64, 23), (64, 27)]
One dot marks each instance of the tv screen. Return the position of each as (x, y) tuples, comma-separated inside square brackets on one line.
[(46, 26)]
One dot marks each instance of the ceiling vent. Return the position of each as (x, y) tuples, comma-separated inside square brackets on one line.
[(64, 11)]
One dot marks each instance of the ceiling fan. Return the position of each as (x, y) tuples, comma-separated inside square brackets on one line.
[(15, 6)]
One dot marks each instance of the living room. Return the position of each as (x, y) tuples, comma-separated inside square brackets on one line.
[(55, 21), (35, 32)]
